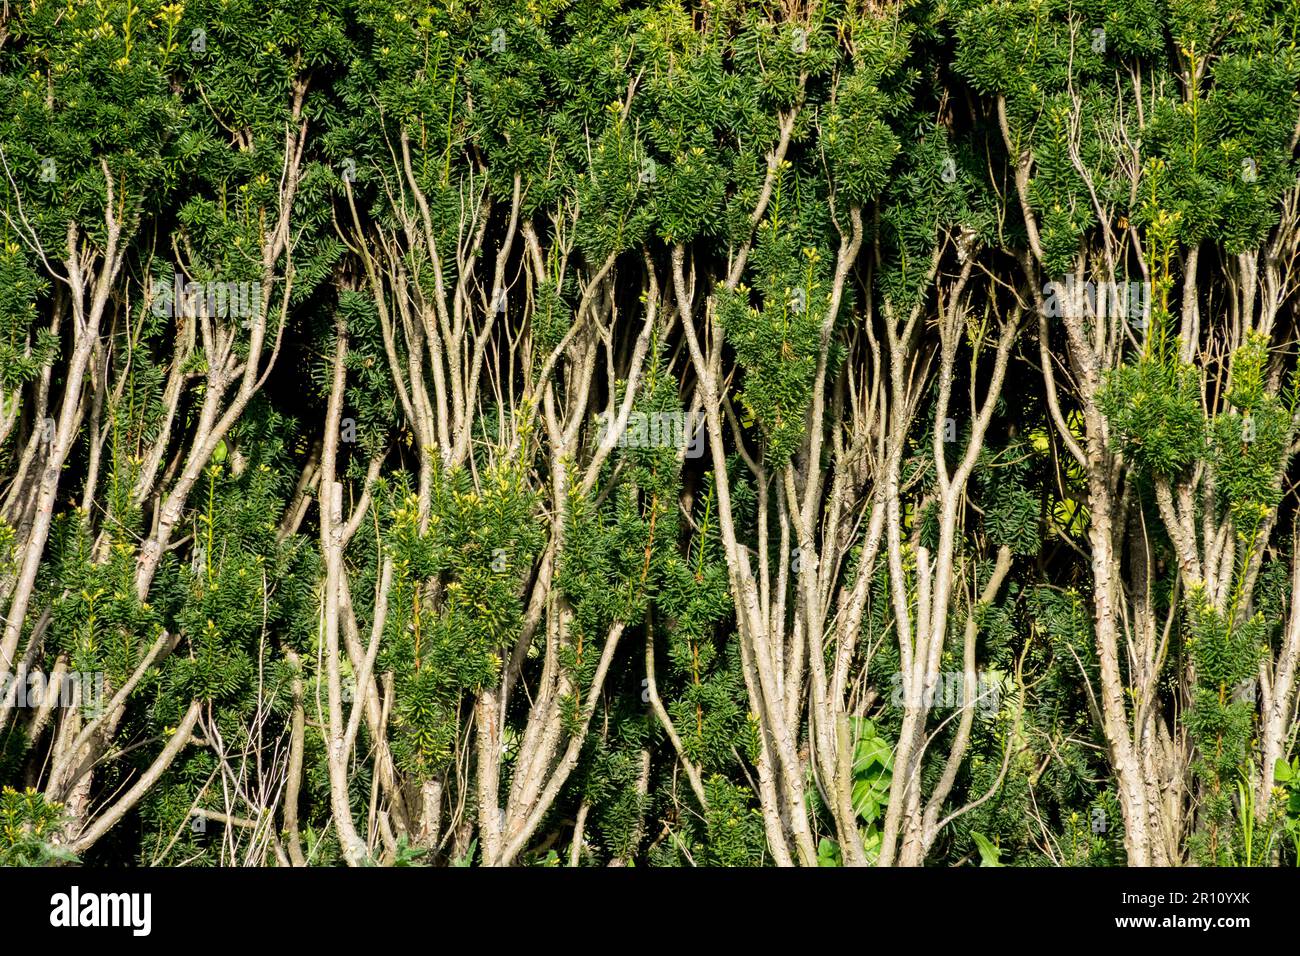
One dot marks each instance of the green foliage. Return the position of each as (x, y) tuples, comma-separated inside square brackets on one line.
[(1287, 776), (990, 853), (1251, 440), (1225, 654), (733, 827), (478, 546), (570, 154), (29, 827), (1155, 411)]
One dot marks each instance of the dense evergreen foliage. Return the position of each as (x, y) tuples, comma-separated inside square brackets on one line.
[(606, 432)]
